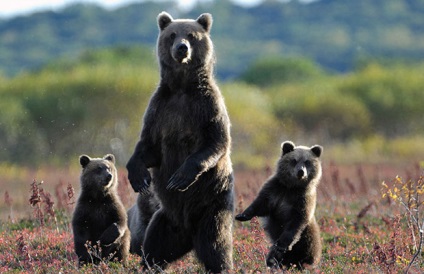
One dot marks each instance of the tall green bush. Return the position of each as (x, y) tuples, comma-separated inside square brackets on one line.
[(255, 131), (67, 109), (274, 70), (318, 110), (393, 96)]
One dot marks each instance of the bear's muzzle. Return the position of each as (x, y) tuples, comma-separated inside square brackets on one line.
[(182, 52)]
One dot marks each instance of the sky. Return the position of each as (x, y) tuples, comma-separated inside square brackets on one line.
[(10, 8)]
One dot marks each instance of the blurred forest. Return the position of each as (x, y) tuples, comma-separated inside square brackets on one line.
[(344, 74), (337, 34)]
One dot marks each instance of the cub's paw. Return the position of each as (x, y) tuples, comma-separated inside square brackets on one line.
[(275, 256), (242, 217)]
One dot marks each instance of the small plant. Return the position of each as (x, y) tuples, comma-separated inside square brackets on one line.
[(8, 201), (410, 196), (38, 198)]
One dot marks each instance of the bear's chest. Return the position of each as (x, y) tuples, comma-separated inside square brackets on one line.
[(180, 118), (280, 207)]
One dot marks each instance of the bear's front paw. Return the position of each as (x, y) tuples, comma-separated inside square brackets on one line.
[(242, 217), (182, 179), (139, 178), (179, 182), (275, 256)]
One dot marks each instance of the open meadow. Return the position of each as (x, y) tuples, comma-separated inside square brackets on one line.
[(346, 75), (366, 226)]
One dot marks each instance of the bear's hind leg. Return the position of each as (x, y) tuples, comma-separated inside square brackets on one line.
[(213, 241), (164, 242)]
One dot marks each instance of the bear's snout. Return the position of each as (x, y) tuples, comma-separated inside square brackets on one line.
[(182, 49), (108, 179), (182, 52), (301, 173)]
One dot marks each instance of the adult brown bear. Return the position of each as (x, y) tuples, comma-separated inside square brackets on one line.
[(185, 141)]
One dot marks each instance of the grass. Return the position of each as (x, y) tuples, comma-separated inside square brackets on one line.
[(366, 226)]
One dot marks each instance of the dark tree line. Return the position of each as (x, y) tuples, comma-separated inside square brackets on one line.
[(334, 33)]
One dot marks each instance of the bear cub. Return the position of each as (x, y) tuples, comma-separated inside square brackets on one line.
[(100, 218), (287, 202), (139, 216)]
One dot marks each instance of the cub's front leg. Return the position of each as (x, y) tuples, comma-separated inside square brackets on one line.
[(111, 234), (275, 256), (259, 207)]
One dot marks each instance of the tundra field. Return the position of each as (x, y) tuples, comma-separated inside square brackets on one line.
[(371, 219)]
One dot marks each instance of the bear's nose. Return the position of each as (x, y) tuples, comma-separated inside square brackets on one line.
[(109, 177), (300, 173), (182, 48)]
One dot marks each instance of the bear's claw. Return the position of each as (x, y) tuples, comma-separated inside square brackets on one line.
[(177, 183)]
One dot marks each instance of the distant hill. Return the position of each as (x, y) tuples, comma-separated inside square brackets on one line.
[(334, 33)]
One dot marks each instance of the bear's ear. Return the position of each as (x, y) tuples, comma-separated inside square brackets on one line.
[(84, 160), (205, 20), (164, 19), (287, 146), (317, 150), (109, 157)]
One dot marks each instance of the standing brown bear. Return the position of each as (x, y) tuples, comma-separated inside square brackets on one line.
[(287, 201), (185, 141), (99, 215)]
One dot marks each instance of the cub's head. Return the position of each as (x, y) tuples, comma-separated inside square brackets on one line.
[(184, 41), (98, 174), (300, 166)]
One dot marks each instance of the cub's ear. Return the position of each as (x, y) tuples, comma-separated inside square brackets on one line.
[(164, 19), (109, 157), (317, 150), (205, 20), (84, 160), (287, 146)]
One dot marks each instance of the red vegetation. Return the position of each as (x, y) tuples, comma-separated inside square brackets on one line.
[(366, 226)]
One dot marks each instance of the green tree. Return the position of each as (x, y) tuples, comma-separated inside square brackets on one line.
[(277, 70), (392, 94)]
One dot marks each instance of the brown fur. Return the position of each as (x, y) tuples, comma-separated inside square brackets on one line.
[(287, 201), (185, 142), (99, 214), (139, 216)]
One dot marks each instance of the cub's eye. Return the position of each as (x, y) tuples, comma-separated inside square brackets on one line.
[(307, 163), (190, 36), (173, 35), (293, 162), (99, 169)]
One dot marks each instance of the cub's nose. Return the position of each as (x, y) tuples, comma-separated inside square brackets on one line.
[(300, 173), (109, 177)]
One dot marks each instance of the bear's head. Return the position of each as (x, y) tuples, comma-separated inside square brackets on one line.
[(183, 42), (300, 166), (98, 174)]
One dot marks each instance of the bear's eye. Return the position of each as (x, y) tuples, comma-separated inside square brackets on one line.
[(293, 162), (173, 35), (99, 169), (190, 36), (307, 163)]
